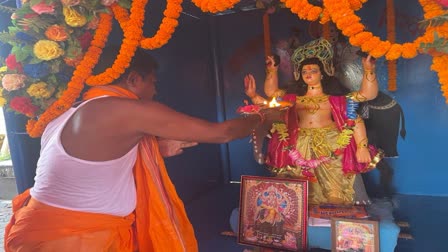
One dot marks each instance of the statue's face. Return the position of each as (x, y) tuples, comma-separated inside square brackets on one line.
[(311, 74)]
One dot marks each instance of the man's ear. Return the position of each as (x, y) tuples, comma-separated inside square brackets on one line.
[(132, 79)]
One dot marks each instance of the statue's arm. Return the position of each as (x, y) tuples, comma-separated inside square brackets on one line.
[(361, 140), (271, 81), (369, 85)]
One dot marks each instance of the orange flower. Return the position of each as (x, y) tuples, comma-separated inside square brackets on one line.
[(394, 52), (353, 29), (56, 33), (380, 49), (167, 27), (133, 33), (214, 6), (370, 44), (360, 38), (409, 50)]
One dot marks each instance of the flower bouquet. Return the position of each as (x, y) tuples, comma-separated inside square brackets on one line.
[(48, 40)]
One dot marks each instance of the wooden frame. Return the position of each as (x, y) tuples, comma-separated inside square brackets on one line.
[(354, 235), (273, 213)]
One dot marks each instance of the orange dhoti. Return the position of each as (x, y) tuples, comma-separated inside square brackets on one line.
[(39, 227)]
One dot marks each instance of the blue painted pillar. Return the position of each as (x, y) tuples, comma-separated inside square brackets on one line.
[(24, 150)]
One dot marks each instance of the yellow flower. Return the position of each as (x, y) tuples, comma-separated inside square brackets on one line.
[(73, 18), (40, 90), (3, 70), (47, 50), (2, 99)]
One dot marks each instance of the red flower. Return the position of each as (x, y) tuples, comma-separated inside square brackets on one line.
[(24, 106), (444, 3), (12, 64), (338, 152), (350, 123), (43, 7), (248, 109), (84, 40)]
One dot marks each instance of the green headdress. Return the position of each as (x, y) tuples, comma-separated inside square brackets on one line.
[(319, 48)]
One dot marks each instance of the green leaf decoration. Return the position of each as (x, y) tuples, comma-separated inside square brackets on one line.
[(125, 3), (434, 22), (7, 38), (19, 53), (439, 44)]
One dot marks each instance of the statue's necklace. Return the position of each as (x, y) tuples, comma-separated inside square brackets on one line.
[(311, 103)]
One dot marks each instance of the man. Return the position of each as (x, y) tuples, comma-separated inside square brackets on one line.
[(101, 184)]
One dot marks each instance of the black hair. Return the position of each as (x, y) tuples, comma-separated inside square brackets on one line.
[(142, 62), (330, 84)]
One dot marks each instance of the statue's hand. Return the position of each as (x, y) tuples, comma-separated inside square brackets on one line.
[(270, 64), (169, 147), (368, 63), (363, 155), (250, 88)]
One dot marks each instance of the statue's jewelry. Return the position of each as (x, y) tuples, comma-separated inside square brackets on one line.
[(319, 48), (314, 87), (312, 103)]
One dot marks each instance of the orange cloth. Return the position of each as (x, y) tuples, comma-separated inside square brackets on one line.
[(161, 223), (39, 227)]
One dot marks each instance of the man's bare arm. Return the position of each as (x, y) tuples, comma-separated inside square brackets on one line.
[(156, 119)]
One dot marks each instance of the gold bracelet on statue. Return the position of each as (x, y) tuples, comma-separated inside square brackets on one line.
[(363, 143), (357, 96), (370, 72), (268, 71), (279, 93), (359, 120)]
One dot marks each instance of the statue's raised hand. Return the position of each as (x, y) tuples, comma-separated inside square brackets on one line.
[(250, 88)]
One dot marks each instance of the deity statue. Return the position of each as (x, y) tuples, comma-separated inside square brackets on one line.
[(322, 139)]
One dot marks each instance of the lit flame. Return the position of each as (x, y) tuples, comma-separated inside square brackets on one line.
[(273, 103)]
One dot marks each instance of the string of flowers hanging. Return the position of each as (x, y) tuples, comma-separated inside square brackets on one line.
[(132, 34), (56, 44)]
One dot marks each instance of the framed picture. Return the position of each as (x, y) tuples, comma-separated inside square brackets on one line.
[(354, 235), (273, 213)]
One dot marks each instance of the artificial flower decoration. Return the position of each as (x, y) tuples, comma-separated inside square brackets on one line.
[(49, 40)]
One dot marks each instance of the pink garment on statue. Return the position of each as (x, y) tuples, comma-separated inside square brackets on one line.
[(67, 182), (278, 157)]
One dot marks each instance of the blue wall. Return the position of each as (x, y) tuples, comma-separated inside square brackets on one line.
[(186, 83), (421, 166)]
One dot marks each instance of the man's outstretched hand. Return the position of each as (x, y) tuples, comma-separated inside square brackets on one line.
[(169, 147)]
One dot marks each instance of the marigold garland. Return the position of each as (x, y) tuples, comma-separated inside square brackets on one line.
[(76, 84), (342, 13), (215, 6), (439, 64), (167, 27), (132, 34)]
